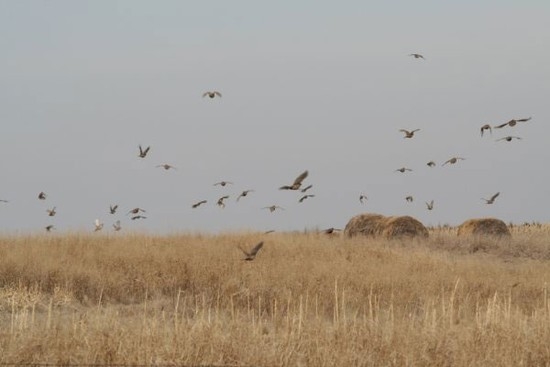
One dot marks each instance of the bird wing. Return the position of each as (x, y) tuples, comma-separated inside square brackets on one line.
[(495, 196), (256, 248), (218, 94), (300, 178), (404, 131), (523, 120), (500, 126), (205, 94), (146, 150)]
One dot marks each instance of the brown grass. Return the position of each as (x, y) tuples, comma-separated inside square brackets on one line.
[(373, 225), (484, 227), (307, 299)]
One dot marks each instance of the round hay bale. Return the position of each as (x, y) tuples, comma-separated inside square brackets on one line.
[(367, 224), (484, 227), (404, 226)]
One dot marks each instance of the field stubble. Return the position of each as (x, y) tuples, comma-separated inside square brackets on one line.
[(307, 299)]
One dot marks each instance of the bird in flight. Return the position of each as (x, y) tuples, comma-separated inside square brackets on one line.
[(492, 199), (486, 127), (211, 94), (453, 160), (143, 152), (244, 193), (512, 122), (306, 188), (51, 212), (509, 138), (272, 208), (223, 183), (136, 211), (251, 255), (417, 56), (117, 227), (409, 199), (197, 204), (49, 227), (409, 134), (113, 208), (430, 164), (220, 202), (166, 166), (305, 197), (138, 217), (363, 198), (42, 195), (430, 205), (403, 170), (297, 182), (3, 201), (98, 225)]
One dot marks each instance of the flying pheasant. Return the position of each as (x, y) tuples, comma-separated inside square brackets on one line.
[(98, 225), (453, 160), (113, 208), (492, 199), (142, 152), (197, 204), (251, 255), (403, 170), (509, 138), (244, 193), (220, 202), (306, 188), (363, 198), (417, 56), (431, 164), (211, 94), (166, 166), (297, 182), (223, 183), (409, 199), (486, 127), (136, 211), (117, 227), (430, 205), (51, 212), (305, 197), (42, 195), (512, 122), (272, 208), (409, 134)]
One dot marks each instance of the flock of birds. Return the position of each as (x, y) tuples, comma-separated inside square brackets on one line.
[(409, 134), (138, 213)]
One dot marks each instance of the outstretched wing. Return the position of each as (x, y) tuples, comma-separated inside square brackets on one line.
[(300, 178), (495, 196), (500, 126), (256, 248)]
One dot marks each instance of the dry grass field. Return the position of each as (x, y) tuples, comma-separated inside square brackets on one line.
[(307, 299)]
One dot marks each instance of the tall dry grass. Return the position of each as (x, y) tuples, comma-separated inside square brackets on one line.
[(307, 299)]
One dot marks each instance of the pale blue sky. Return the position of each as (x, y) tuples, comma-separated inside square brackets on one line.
[(314, 85)]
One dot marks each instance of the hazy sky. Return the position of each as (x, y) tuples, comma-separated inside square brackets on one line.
[(317, 85)]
